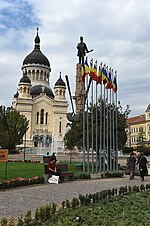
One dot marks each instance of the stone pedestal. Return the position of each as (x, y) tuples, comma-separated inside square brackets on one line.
[(80, 89)]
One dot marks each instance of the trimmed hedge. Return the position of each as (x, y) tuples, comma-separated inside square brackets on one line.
[(50, 212)]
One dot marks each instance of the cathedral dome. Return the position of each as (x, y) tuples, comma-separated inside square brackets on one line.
[(60, 82), (25, 79), (36, 56), (38, 89)]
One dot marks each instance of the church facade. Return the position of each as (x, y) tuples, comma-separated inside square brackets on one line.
[(46, 111)]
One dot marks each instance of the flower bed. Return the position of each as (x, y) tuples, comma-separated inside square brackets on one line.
[(27, 160), (18, 182)]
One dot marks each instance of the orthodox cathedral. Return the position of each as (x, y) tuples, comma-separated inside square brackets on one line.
[(46, 111)]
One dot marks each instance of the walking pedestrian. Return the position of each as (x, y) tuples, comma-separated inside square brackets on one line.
[(142, 161), (131, 160)]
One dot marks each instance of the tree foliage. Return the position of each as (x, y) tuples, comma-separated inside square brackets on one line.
[(13, 126), (74, 137)]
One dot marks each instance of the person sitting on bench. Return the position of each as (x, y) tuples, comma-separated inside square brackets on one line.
[(52, 170)]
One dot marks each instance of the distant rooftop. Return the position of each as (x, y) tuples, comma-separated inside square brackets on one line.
[(136, 119)]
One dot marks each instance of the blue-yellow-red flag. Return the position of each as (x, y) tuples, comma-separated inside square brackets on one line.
[(99, 74), (95, 71), (85, 69), (91, 69), (86, 66), (109, 83), (104, 75), (115, 84)]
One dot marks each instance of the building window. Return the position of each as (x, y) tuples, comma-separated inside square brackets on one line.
[(60, 126), (46, 118), (42, 116), (37, 118)]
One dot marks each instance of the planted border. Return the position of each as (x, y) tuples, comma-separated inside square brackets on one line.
[(47, 212)]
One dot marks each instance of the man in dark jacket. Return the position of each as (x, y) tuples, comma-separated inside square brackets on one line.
[(142, 161)]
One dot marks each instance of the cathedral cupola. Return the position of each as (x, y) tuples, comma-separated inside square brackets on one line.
[(60, 88), (36, 56), (37, 65), (24, 87)]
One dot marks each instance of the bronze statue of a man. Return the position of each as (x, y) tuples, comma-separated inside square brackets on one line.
[(82, 50)]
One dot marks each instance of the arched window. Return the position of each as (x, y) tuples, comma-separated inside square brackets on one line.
[(46, 118), (24, 89), (42, 116)]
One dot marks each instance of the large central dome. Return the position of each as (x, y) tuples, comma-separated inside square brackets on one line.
[(36, 56)]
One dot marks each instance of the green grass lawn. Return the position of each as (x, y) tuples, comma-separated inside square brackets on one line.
[(21, 169), (27, 169)]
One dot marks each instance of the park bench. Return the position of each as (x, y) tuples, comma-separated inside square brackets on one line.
[(64, 171)]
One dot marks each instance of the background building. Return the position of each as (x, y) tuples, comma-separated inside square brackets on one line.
[(138, 130), (45, 110)]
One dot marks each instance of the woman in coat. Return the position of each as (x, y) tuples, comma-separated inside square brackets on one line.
[(131, 164)]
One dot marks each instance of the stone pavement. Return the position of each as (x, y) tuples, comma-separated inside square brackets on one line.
[(15, 202)]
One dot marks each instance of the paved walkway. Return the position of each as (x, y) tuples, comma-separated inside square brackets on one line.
[(15, 202)]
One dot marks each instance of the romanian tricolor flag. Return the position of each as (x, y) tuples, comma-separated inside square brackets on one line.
[(104, 75), (91, 70), (99, 75), (85, 69), (109, 83), (115, 84), (95, 71), (86, 66)]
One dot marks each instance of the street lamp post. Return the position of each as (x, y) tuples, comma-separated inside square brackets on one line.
[(26, 128), (24, 146)]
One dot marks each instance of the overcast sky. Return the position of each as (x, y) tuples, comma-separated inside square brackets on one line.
[(117, 30)]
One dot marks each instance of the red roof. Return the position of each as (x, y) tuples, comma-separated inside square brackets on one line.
[(136, 119)]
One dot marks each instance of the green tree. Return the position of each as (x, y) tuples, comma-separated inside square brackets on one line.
[(13, 126), (74, 137)]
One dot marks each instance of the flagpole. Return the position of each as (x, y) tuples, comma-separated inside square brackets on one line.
[(113, 126), (104, 119), (116, 127), (83, 118), (92, 132), (101, 111), (107, 143), (101, 137), (87, 134), (96, 134), (110, 131)]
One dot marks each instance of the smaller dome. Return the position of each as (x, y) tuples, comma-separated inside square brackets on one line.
[(16, 95), (60, 82), (25, 79), (38, 89)]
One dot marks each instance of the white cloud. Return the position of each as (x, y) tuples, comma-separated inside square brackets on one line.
[(117, 30)]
